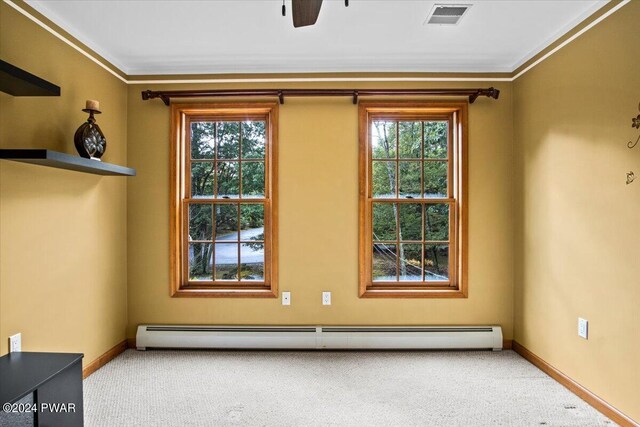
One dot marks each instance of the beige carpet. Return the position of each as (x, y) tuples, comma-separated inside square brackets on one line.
[(259, 388)]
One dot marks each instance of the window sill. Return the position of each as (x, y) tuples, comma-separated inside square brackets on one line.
[(223, 293), (413, 293)]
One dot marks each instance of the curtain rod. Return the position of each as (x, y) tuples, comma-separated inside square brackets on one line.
[(166, 95)]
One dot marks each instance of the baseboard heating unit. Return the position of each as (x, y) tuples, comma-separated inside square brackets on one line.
[(320, 337)]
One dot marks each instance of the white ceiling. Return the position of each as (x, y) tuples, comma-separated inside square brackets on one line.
[(251, 36)]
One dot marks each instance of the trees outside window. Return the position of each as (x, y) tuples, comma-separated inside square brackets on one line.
[(412, 199), (223, 200)]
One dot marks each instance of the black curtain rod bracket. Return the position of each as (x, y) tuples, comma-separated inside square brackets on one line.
[(166, 96)]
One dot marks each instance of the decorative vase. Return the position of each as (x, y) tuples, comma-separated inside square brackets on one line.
[(89, 139)]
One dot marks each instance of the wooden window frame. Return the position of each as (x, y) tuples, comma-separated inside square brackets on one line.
[(457, 113), (180, 158)]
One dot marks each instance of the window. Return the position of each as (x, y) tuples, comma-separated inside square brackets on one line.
[(224, 200), (413, 200)]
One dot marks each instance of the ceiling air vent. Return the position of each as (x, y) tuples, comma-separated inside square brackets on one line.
[(447, 14)]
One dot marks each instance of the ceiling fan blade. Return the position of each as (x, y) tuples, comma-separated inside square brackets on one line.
[(305, 12)]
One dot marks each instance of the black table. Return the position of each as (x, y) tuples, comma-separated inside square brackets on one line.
[(55, 379)]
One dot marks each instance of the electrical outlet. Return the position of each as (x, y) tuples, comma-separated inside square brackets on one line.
[(583, 328), (15, 343), (286, 298), (326, 298)]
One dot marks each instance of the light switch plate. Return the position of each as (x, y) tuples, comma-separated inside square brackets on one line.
[(326, 298), (286, 298), (15, 343), (583, 328)]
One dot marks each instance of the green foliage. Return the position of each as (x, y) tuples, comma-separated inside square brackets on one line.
[(384, 179), (410, 219), (253, 140), (200, 261), (383, 136), (253, 179), (216, 148), (202, 179), (384, 262), (203, 140), (228, 181), (405, 139), (435, 140), (409, 181), (409, 135), (228, 140), (384, 221), (410, 262), (409, 141), (435, 179), (226, 219), (256, 246), (200, 218), (222, 141), (437, 222), (436, 262), (252, 216), (227, 271), (252, 271)]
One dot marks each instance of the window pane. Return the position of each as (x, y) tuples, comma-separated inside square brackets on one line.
[(436, 262), (200, 261), (202, 179), (228, 140), (435, 140), (202, 140), (227, 222), (410, 262), (253, 140), (252, 261), (383, 139), (409, 185), (437, 222), (253, 179), (228, 180), (200, 222), (435, 179), (410, 221), (384, 263), (409, 144), (384, 221), (251, 222), (226, 257), (384, 179)]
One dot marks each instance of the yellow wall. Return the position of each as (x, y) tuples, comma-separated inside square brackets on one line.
[(577, 223), (318, 173), (553, 228), (62, 233)]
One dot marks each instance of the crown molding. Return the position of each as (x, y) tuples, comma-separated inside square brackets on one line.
[(584, 26), (66, 38)]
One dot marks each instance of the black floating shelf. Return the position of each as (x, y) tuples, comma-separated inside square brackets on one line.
[(17, 82), (58, 160)]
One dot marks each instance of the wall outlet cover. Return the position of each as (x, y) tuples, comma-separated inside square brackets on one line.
[(15, 343), (583, 328), (326, 298), (286, 298)]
